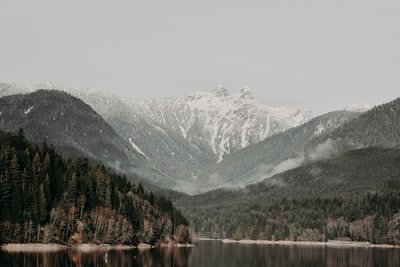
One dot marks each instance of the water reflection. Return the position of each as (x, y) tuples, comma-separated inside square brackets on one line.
[(158, 257), (212, 253)]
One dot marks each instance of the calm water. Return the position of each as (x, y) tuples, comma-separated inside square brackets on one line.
[(214, 253)]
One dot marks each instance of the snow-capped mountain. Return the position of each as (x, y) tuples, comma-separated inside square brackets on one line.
[(274, 154), (167, 151), (183, 137), (184, 133), (221, 123)]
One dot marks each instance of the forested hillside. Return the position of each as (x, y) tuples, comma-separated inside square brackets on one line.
[(379, 127), (72, 126), (75, 130), (45, 198), (373, 217), (360, 188)]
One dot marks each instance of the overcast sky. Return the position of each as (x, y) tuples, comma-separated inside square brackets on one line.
[(315, 54)]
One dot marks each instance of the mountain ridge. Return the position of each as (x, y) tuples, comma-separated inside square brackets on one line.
[(213, 139), (179, 150), (280, 151), (74, 128), (221, 122)]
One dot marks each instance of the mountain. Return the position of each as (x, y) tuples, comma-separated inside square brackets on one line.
[(220, 123), (168, 152), (379, 126), (63, 120), (183, 136), (174, 162), (322, 137), (74, 128), (216, 139), (215, 122), (276, 153), (357, 159)]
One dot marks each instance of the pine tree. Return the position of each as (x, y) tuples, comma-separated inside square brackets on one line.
[(43, 213), (101, 188), (5, 196), (71, 193), (16, 178)]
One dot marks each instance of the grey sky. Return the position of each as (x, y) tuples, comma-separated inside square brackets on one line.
[(321, 55)]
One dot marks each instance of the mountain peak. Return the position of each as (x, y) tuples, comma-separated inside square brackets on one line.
[(245, 93), (220, 91)]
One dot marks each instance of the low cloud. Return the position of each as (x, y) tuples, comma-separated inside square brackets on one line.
[(265, 171), (323, 151), (288, 164), (186, 187)]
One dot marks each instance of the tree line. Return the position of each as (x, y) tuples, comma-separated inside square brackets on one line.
[(46, 198)]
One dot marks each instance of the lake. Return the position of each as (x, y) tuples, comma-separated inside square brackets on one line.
[(214, 253)]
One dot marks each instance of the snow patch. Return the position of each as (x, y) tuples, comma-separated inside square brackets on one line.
[(137, 148), (28, 110), (243, 135), (320, 129), (358, 107), (160, 129)]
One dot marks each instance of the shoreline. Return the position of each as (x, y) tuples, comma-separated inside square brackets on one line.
[(38, 247), (53, 247), (329, 243), (32, 247)]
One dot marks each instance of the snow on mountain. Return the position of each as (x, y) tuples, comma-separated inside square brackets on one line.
[(182, 136), (358, 107), (220, 122), (216, 122), (278, 152)]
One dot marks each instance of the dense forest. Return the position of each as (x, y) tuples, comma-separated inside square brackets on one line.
[(373, 217), (45, 198)]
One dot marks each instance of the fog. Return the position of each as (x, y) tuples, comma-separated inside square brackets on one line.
[(323, 151)]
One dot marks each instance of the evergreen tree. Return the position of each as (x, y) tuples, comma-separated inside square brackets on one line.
[(43, 213)]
